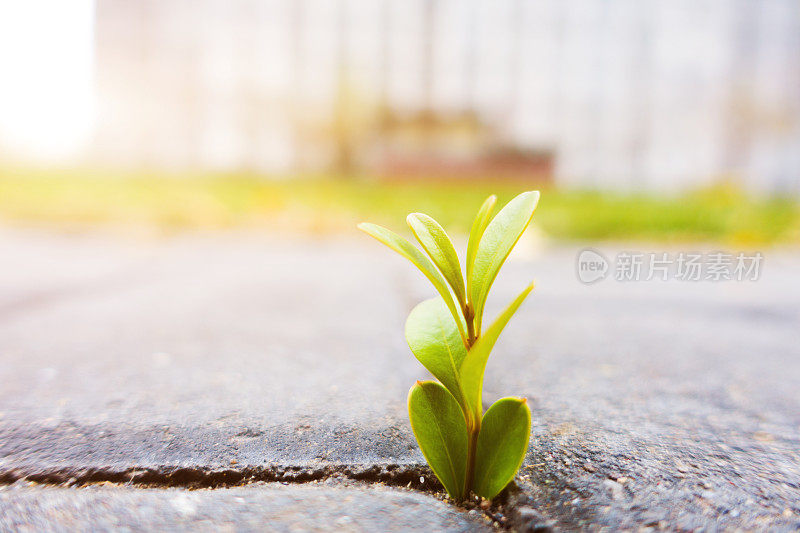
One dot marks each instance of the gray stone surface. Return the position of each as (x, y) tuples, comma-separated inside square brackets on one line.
[(257, 507), (215, 359)]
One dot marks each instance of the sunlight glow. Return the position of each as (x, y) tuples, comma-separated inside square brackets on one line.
[(46, 61)]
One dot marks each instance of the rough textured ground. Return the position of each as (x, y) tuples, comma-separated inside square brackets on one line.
[(215, 360), (258, 507)]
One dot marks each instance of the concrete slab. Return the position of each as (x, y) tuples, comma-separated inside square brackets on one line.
[(196, 358), (258, 507)]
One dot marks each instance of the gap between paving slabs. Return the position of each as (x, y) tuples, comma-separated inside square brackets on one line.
[(502, 512)]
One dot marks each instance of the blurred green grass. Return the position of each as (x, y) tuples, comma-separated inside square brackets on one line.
[(318, 204)]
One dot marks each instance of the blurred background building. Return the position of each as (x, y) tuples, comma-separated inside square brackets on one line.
[(619, 94)]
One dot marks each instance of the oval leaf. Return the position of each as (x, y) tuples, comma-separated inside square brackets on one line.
[(433, 337), (500, 236), (438, 425), (502, 443), (475, 234), (440, 248), (471, 371), (410, 252)]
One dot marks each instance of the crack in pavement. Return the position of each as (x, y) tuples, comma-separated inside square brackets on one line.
[(417, 477), (510, 510)]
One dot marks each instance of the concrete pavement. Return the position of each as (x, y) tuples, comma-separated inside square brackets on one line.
[(214, 360)]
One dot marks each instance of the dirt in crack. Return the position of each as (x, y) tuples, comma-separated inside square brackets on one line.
[(412, 476)]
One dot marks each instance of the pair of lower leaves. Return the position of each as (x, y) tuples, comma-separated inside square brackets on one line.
[(441, 431), (466, 449)]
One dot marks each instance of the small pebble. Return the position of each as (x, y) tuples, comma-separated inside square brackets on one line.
[(614, 489)]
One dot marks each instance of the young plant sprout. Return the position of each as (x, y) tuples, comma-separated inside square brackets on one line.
[(467, 449)]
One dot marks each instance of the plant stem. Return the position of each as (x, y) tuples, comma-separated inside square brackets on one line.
[(469, 315), (472, 448), (473, 420)]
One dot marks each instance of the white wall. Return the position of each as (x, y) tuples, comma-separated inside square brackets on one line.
[(630, 94)]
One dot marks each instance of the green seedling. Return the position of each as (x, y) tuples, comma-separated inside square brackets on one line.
[(467, 449)]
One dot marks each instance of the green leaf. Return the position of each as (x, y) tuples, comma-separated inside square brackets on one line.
[(471, 371), (441, 433), (500, 236), (410, 252), (502, 443), (433, 338), (440, 248), (475, 234)]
